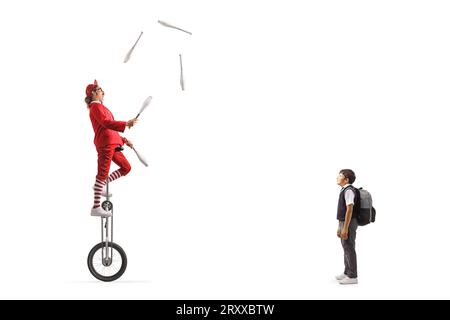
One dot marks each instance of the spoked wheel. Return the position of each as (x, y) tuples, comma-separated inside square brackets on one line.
[(107, 267)]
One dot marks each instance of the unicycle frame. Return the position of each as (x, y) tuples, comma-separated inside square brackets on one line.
[(102, 265), (107, 232)]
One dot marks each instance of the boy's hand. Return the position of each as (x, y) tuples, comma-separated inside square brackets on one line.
[(344, 234), (339, 232), (129, 143), (131, 122)]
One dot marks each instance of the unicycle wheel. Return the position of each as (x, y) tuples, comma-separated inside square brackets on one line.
[(107, 269)]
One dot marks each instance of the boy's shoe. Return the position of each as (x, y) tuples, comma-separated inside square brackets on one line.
[(348, 280), (100, 212), (341, 277), (104, 192)]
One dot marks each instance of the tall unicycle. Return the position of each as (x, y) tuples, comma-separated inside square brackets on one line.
[(107, 261)]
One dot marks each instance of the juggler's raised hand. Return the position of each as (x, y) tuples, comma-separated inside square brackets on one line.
[(132, 122)]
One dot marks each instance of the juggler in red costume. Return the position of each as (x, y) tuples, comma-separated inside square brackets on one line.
[(108, 143)]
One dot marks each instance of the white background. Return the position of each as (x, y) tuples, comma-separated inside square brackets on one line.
[(239, 200)]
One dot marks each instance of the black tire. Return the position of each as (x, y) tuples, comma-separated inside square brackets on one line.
[(92, 264)]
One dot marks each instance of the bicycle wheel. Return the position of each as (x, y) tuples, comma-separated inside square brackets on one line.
[(107, 270)]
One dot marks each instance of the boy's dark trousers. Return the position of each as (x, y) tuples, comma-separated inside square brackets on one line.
[(349, 249)]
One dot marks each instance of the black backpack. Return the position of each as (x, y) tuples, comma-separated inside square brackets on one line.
[(365, 212)]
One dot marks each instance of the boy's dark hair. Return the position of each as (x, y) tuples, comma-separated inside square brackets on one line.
[(349, 174)]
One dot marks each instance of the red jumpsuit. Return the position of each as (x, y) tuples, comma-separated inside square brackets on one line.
[(107, 140)]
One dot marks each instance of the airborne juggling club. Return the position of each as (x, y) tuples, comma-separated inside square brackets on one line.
[(165, 24), (127, 57)]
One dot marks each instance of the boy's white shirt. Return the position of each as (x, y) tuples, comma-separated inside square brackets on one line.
[(349, 195)]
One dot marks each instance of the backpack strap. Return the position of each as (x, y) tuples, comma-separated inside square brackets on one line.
[(349, 187), (357, 198)]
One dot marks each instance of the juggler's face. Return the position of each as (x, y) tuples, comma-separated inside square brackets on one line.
[(98, 94)]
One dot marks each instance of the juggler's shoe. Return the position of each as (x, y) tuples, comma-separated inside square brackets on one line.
[(100, 212)]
